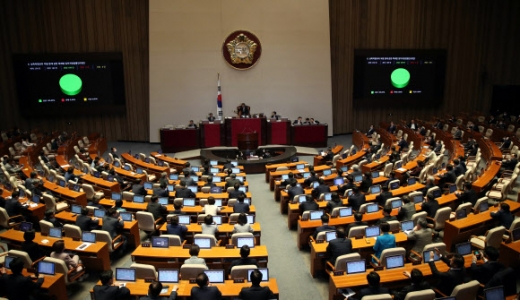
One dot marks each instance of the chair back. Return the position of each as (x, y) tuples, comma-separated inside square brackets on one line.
[(205, 189), (213, 240), (144, 271), (494, 236), (188, 271), (395, 225), (441, 216), (377, 297), (515, 224), (357, 231), (145, 220), (465, 206), (4, 218), (460, 182), (45, 226), (432, 246), (203, 202), (104, 236), (341, 261), (89, 190), (505, 278), (72, 231), (476, 207), (235, 237), (335, 212), (24, 256), (231, 202), (233, 218), (391, 252), (174, 240), (200, 217), (306, 215), (178, 201), (466, 290), (387, 169), (428, 294), (241, 271), (128, 196)]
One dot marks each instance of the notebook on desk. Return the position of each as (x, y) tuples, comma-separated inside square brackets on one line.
[(35, 199), (397, 203), (418, 199), (213, 162), (148, 185), (215, 276), (338, 181), (116, 196), (217, 179), (194, 177), (174, 176), (375, 174), (315, 184), (394, 185), (215, 190), (327, 172), (170, 188), (358, 178), (375, 189), (193, 188), (163, 200), (8, 260), (327, 196), (372, 208), (168, 275), (250, 219), (264, 271), (302, 198), (356, 266)]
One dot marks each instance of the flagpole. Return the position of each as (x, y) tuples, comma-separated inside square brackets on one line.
[(219, 99)]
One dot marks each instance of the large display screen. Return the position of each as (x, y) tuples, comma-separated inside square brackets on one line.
[(383, 75), (77, 83)]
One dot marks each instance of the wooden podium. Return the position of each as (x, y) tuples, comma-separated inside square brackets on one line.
[(247, 140)]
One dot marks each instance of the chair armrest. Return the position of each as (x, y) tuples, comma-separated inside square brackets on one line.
[(218, 242), (35, 263), (375, 258), (3, 254), (311, 239), (155, 223), (476, 237), (329, 265), (439, 292), (183, 242), (119, 237)]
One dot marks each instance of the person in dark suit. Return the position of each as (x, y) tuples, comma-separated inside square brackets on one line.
[(448, 280), (256, 292), (175, 228), (16, 286), (394, 155), (289, 180), (138, 189), (274, 115), (154, 292), (204, 291), (448, 177), (484, 272), (503, 215), (308, 204), (334, 202), (108, 291), (156, 208), (2, 199), (374, 287), (358, 217), (235, 192), (403, 144), (184, 192), (113, 224), (430, 206), (370, 131), (13, 207), (233, 180), (210, 117), (392, 128), (322, 188), (356, 199), (50, 217), (240, 206), (209, 182), (85, 222), (162, 191), (457, 168), (469, 195), (324, 225), (309, 180), (417, 284), (244, 258), (346, 186), (298, 121), (366, 183), (243, 110), (387, 210), (430, 182), (294, 190), (510, 164), (32, 248), (338, 246)]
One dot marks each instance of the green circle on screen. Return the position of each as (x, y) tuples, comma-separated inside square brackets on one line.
[(400, 78), (71, 84)]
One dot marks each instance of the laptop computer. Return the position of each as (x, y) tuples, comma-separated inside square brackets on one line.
[(99, 213), (463, 248), (300, 166), (160, 163), (356, 266), (26, 226), (148, 185), (35, 198), (329, 236), (214, 170), (163, 200), (264, 271), (327, 172), (215, 276), (195, 169), (394, 261), (97, 174), (125, 274), (217, 179), (315, 184), (117, 164), (75, 209), (217, 220), (62, 183), (126, 216), (426, 256), (484, 206), (194, 177), (407, 226), (358, 178), (375, 189), (215, 190), (394, 185), (243, 189), (295, 159), (397, 203), (453, 188), (302, 198), (170, 187), (494, 293), (343, 169), (218, 202), (188, 202), (412, 180), (184, 219), (76, 187), (127, 167), (398, 165), (372, 231), (138, 199), (327, 196), (8, 260), (345, 212), (285, 176), (515, 234), (160, 242), (349, 193), (375, 175), (110, 178), (338, 181), (461, 214), (247, 201), (174, 176), (116, 196), (21, 193), (55, 232), (250, 241), (306, 174), (88, 237), (315, 215), (250, 219), (168, 275), (203, 243), (47, 268), (436, 193), (234, 163), (193, 188), (372, 208), (418, 199)]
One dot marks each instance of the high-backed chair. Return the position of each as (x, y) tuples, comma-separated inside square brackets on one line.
[(395, 226), (241, 271), (231, 202), (428, 294), (191, 270), (91, 193), (72, 231), (144, 271), (205, 189), (50, 203), (70, 275), (45, 226), (377, 297), (381, 261), (213, 241), (465, 206), (465, 291), (200, 217), (235, 237), (357, 231), (493, 237), (24, 256), (341, 262), (476, 207), (146, 222), (233, 218), (128, 196), (441, 216), (104, 236), (9, 222), (174, 240), (514, 225)]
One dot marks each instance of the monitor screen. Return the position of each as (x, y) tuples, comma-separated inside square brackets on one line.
[(170, 187), (495, 293), (47, 268), (375, 175), (168, 275), (163, 200), (235, 170), (345, 212), (300, 166), (160, 163), (375, 189), (354, 151), (397, 203), (327, 196), (358, 178), (398, 165), (344, 168), (264, 271), (8, 260), (127, 167), (315, 184), (138, 198), (126, 216), (234, 163), (285, 176), (88, 237), (55, 232), (26, 226), (214, 170), (174, 176), (217, 179), (240, 178), (116, 196), (250, 219), (215, 190), (349, 193), (461, 214), (110, 178), (160, 242), (372, 231), (316, 214), (394, 185), (302, 198), (426, 256), (21, 193), (395, 261), (218, 202), (338, 181), (243, 189), (515, 234), (188, 202), (76, 209), (463, 248), (372, 208), (357, 266), (412, 180), (184, 219), (203, 243), (62, 183), (453, 188), (407, 225), (193, 188), (213, 162), (215, 276), (250, 241), (217, 220), (434, 170), (97, 174), (329, 236), (148, 185), (76, 187), (327, 172), (436, 193), (306, 175), (49, 178), (418, 199), (194, 177), (484, 206), (99, 213), (117, 164), (36, 198), (195, 169), (125, 274)]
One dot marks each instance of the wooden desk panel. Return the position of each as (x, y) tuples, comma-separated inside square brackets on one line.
[(176, 163), (108, 187), (483, 181), (225, 231), (150, 168), (273, 167), (510, 254), (67, 194), (129, 175), (350, 160)]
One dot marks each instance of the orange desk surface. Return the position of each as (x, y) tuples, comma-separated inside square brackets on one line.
[(273, 167), (73, 197), (148, 166)]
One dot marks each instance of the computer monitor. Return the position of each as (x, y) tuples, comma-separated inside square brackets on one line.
[(46, 268), (418, 199), (217, 220), (251, 219), (214, 170), (397, 203), (188, 202), (116, 196), (372, 231), (349, 193), (327, 196), (168, 275), (315, 215), (184, 219), (195, 169), (300, 166), (35, 198), (127, 167), (203, 243), (243, 189), (213, 162), (26, 226), (302, 198), (215, 190), (356, 266), (117, 164), (394, 185), (436, 193), (453, 188), (250, 241), (463, 248), (217, 179), (339, 181), (345, 212), (375, 175), (329, 236), (235, 170), (215, 276), (49, 178), (218, 202), (110, 178), (174, 176), (76, 187), (315, 184), (372, 208), (136, 156), (394, 261), (375, 189), (426, 256), (163, 200), (461, 214), (55, 232), (354, 151), (126, 216), (234, 163), (125, 274), (443, 165), (170, 188), (138, 199), (160, 242), (515, 234), (160, 163), (294, 159), (398, 165), (407, 225), (99, 213), (343, 169), (8, 260), (327, 172), (88, 237), (75, 209), (148, 185), (285, 176), (194, 177), (21, 193), (484, 206), (412, 180), (193, 188), (358, 178), (306, 175), (494, 293), (62, 183), (97, 174), (264, 271)]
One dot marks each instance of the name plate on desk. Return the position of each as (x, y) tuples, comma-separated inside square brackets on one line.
[(228, 246), (338, 273)]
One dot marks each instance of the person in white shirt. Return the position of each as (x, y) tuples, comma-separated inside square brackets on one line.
[(209, 227), (242, 225), (27, 144), (211, 208)]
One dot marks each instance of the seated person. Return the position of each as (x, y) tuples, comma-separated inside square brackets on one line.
[(13, 207), (194, 256), (243, 110), (358, 217), (209, 182), (334, 202), (211, 208), (484, 272), (289, 180), (240, 205), (275, 116), (421, 235), (209, 227), (72, 261), (119, 206), (33, 249), (158, 210), (308, 204), (154, 292), (204, 291), (184, 192), (192, 125), (456, 275), (108, 290), (242, 225), (177, 209), (384, 241), (503, 215), (430, 206), (321, 188), (16, 286), (211, 118), (339, 246), (162, 191), (256, 291), (244, 258), (374, 287), (50, 217), (175, 228), (235, 192), (387, 210), (85, 222), (417, 284), (406, 211), (324, 226), (298, 121)]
